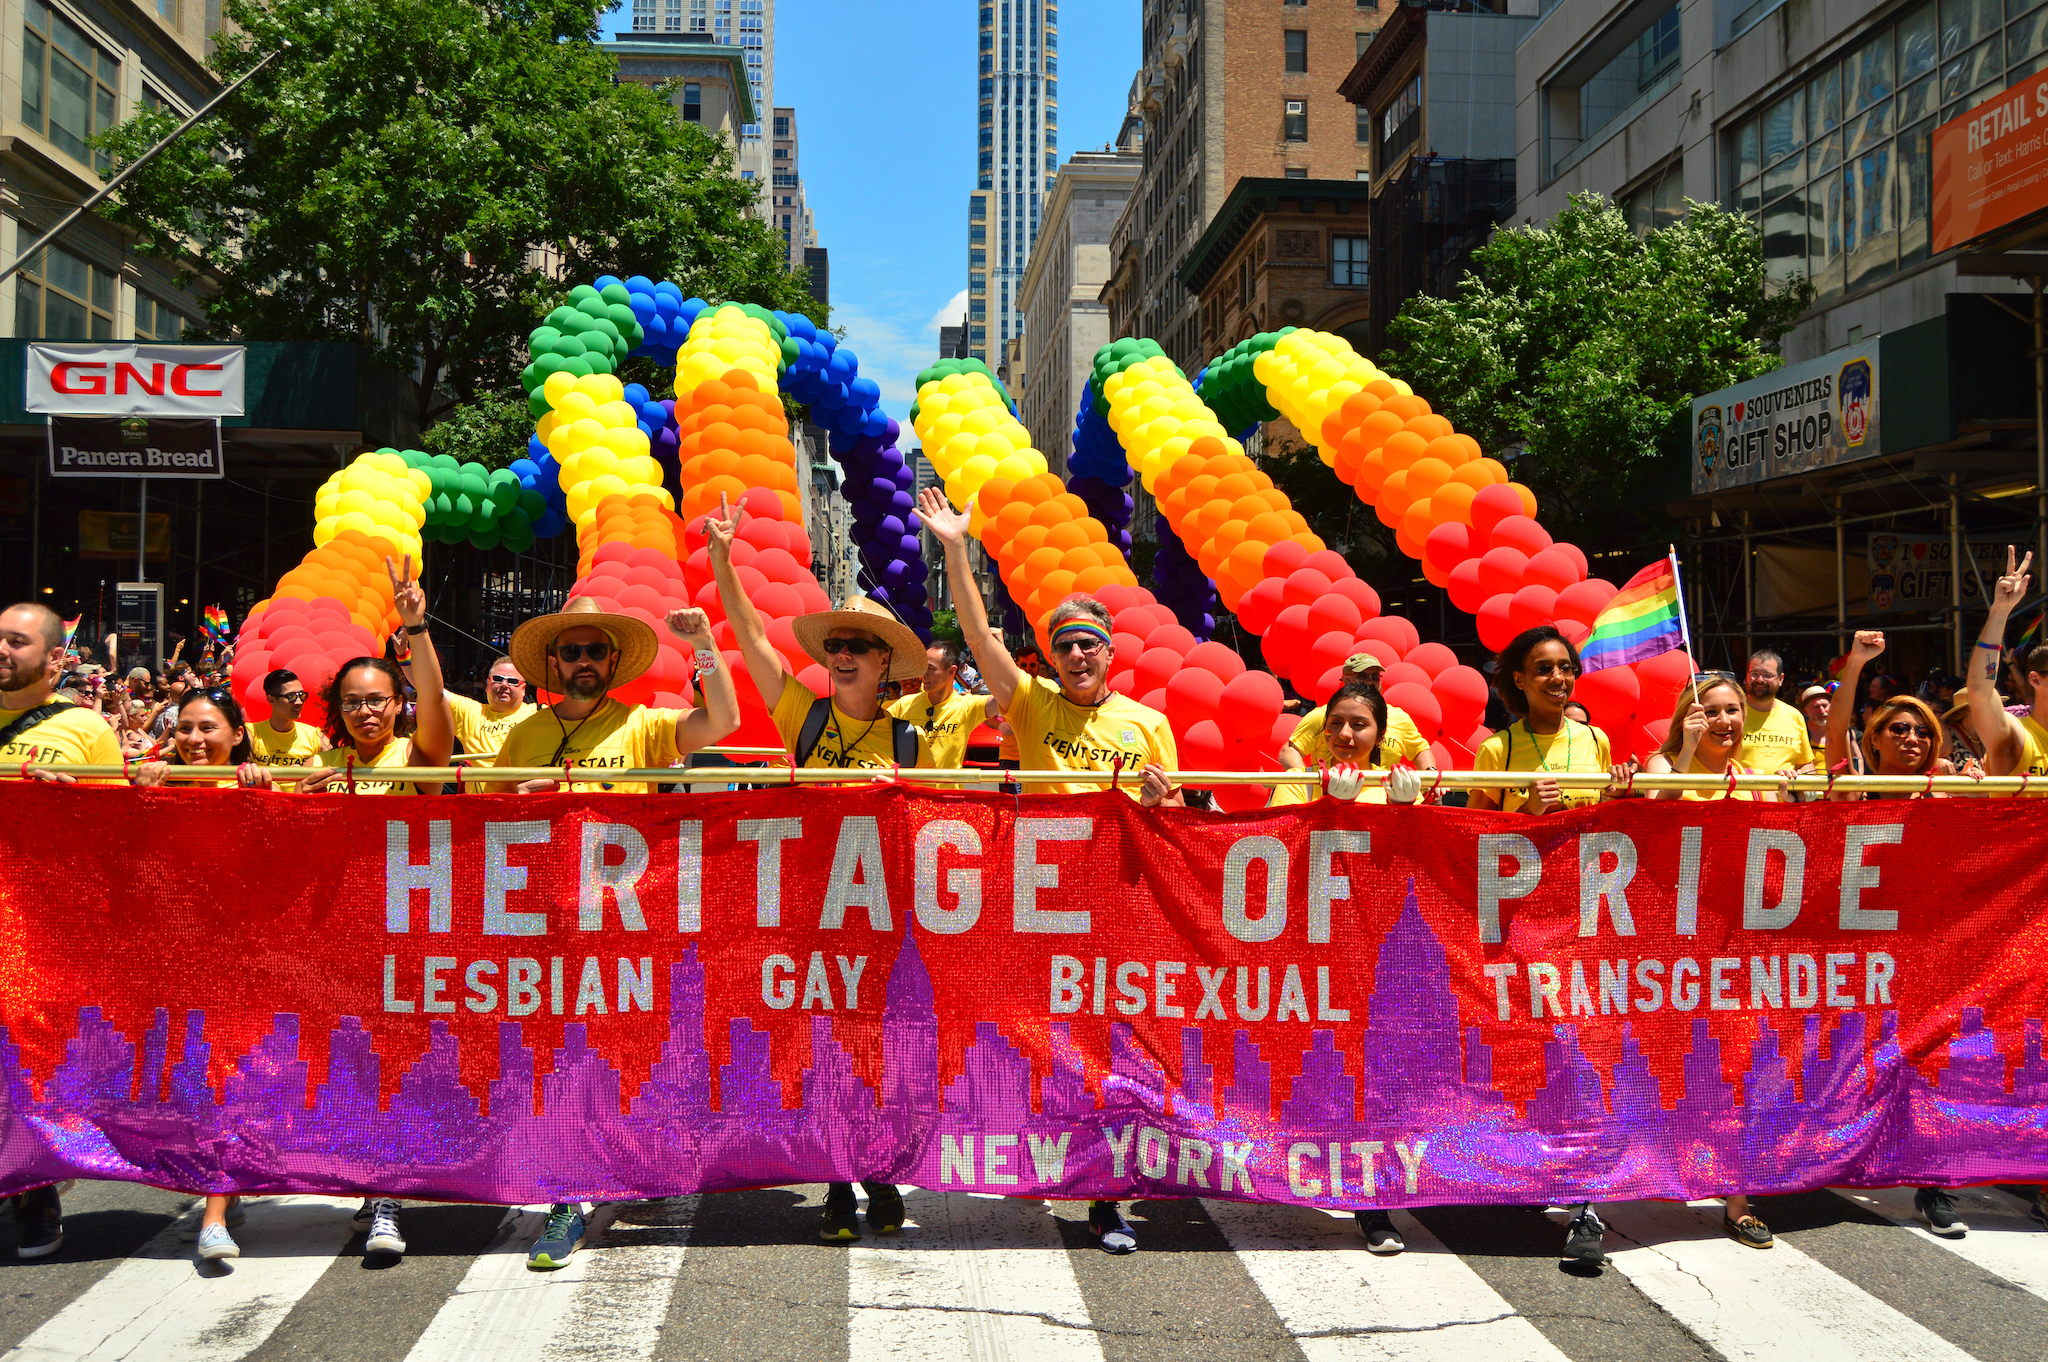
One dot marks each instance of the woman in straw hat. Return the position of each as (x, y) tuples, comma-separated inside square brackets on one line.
[(581, 653)]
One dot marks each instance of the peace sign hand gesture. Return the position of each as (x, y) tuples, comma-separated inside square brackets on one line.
[(2012, 587), (406, 596), (720, 529)]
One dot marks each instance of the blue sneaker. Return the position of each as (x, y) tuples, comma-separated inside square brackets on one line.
[(559, 1240), (215, 1242)]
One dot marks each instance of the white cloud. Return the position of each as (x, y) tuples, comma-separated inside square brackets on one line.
[(949, 315)]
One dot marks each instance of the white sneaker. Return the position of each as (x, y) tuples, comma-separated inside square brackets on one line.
[(215, 1242), (384, 1235), (236, 1215)]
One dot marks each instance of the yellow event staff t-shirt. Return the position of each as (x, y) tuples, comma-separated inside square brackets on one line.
[(397, 752), (2033, 754), (945, 725), (1574, 747), (1774, 739), (619, 736), (268, 747), (75, 737), (481, 731), (846, 742), (1055, 734), (1403, 741)]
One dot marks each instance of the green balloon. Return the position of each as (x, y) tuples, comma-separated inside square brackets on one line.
[(580, 293), (537, 404), (592, 307), (486, 512), (531, 503), (543, 337), (579, 366), (616, 295), (465, 508), (561, 318), (621, 316), (484, 537)]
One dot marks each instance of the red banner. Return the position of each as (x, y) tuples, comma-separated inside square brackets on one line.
[(519, 999)]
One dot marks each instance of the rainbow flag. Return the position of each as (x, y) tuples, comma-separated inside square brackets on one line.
[(71, 628), (215, 622), (1643, 620)]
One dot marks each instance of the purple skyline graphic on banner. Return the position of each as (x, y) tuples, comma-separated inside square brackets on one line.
[(1411, 1114)]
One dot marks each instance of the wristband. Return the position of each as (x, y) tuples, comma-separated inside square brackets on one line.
[(1994, 647), (415, 630), (707, 662)]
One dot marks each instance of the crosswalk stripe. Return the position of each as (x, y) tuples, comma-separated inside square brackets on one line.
[(2003, 1239), (971, 1276), (1344, 1303), (1757, 1303), (616, 1288), (161, 1304)]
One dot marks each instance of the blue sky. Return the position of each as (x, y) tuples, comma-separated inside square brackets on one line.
[(885, 101)]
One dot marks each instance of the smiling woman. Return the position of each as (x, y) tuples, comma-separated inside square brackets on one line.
[(1706, 731)]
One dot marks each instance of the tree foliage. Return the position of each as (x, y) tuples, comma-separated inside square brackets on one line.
[(1587, 344), (399, 175)]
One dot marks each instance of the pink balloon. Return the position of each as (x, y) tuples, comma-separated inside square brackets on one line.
[(1432, 658), (1500, 570), (1420, 705)]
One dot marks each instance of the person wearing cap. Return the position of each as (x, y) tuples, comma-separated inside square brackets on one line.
[(581, 653), (1403, 741), (282, 740), (1814, 703), (481, 728), (941, 712)]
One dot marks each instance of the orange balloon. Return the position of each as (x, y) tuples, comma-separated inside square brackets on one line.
[(1203, 522), (1268, 526), (1005, 524), (1416, 524), (1480, 473), (1028, 541), (1356, 408), (1451, 449), (1406, 543), (1235, 485), (1039, 562), (1247, 562), (1528, 499), (1051, 513), (994, 495), (1228, 536), (1394, 499), (1200, 488), (1077, 509), (1402, 448), (1429, 427), (1248, 505), (1097, 532), (1206, 447), (1259, 477), (1030, 492), (1372, 474), (1066, 535), (1433, 575), (1092, 580), (1452, 502), (1297, 523), (1058, 585), (792, 509)]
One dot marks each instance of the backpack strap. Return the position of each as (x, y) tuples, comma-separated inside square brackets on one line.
[(33, 717), (905, 734), (813, 729)]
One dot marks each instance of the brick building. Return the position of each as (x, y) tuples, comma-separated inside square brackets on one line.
[(1282, 252)]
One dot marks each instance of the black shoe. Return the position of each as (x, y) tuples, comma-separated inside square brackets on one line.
[(1111, 1228), (841, 1222), (1748, 1230), (1582, 1240), (38, 1223), (1380, 1234), (2039, 1210), (1936, 1209), (885, 1207)]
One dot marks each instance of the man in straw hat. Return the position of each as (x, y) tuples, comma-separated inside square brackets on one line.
[(1404, 741), (860, 645)]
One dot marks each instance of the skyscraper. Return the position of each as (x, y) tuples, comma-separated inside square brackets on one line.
[(747, 24), (1017, 155), (792, 215)]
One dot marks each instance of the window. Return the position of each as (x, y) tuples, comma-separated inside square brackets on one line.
[(978, 232), (167, 10), (1657, 49), (62, 297), (1296, 172), (67, 83), (1368, 4), (781, 125), (1247, 281), (1657, 204), (1294, 120), (1347, 261), (1364, 136), (1296, 42), (1362, 41), (1401, 122), (977, 258), (1294, 4), (977, 310), (693, 103)]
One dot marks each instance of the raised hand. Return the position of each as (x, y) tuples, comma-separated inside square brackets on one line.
[(947, 524), (406, 596), (2012, 587), (1870, 642), (692, 625), (1695, 726), (719, 529)]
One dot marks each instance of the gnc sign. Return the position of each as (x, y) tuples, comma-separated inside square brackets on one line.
[(116, 379)]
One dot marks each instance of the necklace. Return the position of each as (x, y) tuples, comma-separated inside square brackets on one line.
[(1543, 757), (846, 749)]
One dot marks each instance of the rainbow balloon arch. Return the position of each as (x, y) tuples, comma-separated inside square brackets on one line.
[(633, 475)]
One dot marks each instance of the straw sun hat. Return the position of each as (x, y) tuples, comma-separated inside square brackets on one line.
[(634, 640), (906, 649)]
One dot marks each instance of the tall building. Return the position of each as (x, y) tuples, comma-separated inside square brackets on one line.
[(1228, 90), (746, 24), (1016, 158), (1065, 319), (792, 215), (818, 265)]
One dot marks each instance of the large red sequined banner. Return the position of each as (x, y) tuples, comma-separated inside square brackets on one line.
[(520, 999)]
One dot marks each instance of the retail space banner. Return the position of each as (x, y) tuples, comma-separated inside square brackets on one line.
[(521, 999), (1990, 164), (1804, 416), (1914, 572)]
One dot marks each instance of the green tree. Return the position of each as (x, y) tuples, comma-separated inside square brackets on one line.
[(1587, 344), (395, 177)]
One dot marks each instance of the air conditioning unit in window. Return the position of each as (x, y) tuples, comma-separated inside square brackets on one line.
[(1296, 106)]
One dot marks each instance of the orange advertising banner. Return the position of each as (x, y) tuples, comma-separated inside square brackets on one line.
[(1991, 164)]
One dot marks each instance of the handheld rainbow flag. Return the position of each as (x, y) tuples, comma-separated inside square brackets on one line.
[(1645, 618), (71, 628), (215, 621)]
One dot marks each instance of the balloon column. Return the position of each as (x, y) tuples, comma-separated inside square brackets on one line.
[(1099, 475)]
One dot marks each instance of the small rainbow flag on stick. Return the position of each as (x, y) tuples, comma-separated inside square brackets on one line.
[(215, 621), (71, 628), (1645, 618)]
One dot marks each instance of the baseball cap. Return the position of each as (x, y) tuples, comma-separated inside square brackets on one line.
[(1362, 662)]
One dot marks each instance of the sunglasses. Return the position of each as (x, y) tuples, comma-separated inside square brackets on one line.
[(1086, 647), (293, 697), (1698, 677), (505, 681), (576, 652), (1906, 730), (859, 647), (1554, 669)]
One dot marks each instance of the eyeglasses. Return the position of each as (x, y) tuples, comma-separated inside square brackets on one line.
[(1086, 647), (576, 652), (293, 697), (1555, 669), (859, 647), (1906, 730), (376, 704)]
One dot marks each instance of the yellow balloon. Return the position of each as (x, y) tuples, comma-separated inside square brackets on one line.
[(558, 385)]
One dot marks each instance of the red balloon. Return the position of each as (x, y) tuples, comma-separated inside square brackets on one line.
[(816, 678), (1257, 607), (1494, 629), (1330, 563), (1320, 690), (1115, 597), (1154, 700), (1201, 747), (1433, 658), (778, 601), (1192, 694), (1240, 798), (1281, 731), (776, 565), (1217, 658), (1250, 704), (1656, 730), (1284, 557), (1466, 592), (618, 551), (1404, 674), (1578, 631), (1128, 647), (1420, 705), (1448, 545), (1334, 613), (1576, 554), (1367, 600), (1611, 696), (1383, 638), (1461, 692), (1329, 650), (1518, 532), (1553, 568), (1531, 606), (1286, 639), (1156, 667), (1492, 504), (1403, 633), (761, 504), (1306, 586), (1500, 571), (1172, 636), (1583, 600), (1662, 677)]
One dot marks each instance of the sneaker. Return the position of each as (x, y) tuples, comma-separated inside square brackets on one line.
[(840, 1224), (215, 1242), (360, 1221), (236, 1215), (559, 1240), (384, 1235), (1748, 1230), (1582, 1240), (1111, 1228), (1380, 1234), (38, 1223), (1936, 1209), (885, 1207), (2039, 1210)]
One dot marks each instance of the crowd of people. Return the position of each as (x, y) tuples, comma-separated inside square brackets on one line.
[(1056, 714)]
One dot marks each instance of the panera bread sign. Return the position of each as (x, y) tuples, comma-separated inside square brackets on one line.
[(123, 379), (1991, 164)]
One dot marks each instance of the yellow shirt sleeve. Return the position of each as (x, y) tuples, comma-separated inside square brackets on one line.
[(1163, 749), (1492, 754), (906, 707), (1307, 737), (654, 737), (1284, 795), (790, 709)]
